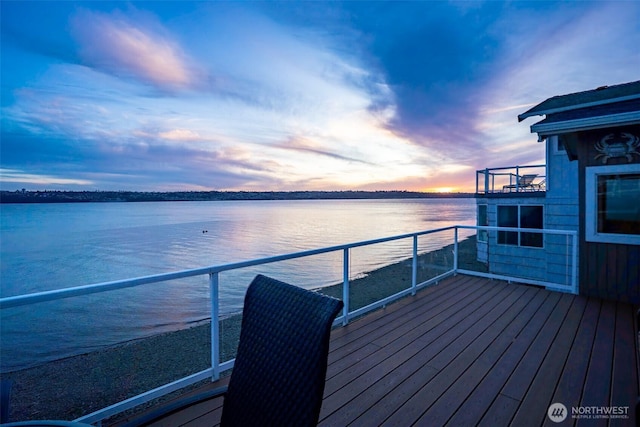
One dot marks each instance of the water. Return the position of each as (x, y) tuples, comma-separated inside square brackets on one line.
[(53, 246)]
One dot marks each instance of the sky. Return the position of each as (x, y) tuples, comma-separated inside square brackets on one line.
[(291, 96)]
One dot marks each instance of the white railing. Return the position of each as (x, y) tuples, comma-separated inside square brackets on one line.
[(214, 283), (511, 179), (551, 253)]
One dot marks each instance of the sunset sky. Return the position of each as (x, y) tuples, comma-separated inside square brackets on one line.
[(272, 96)]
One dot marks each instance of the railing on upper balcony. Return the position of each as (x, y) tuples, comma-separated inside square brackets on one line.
[(511, 179), (458, 265)]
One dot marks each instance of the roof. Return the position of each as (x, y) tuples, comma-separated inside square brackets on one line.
[(595, 117), (591, 98)]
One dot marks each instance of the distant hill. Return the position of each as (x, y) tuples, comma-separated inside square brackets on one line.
[(22, 196)]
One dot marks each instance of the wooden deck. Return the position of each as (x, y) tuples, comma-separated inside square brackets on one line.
[(473, 351)]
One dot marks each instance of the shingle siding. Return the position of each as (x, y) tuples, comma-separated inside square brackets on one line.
[(553, 262)]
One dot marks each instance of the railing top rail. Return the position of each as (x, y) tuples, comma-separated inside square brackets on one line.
[(20, 300), (525, 230), (510, 168)]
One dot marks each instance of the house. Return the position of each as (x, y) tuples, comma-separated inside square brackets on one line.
[(590, 185)]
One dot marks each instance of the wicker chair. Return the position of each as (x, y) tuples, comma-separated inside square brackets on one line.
[(279, 372)]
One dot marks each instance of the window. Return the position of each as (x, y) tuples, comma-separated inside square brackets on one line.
[(613, 204), (520, 216), (483, 220), (531, 217), (508, 217)]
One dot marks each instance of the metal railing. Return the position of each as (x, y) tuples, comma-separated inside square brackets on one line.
[(511, 179), (214, 283), (552, 252)]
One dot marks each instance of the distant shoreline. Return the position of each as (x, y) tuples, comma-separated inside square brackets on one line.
[(47, 196)]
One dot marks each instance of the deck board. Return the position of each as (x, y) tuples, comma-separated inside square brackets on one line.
[(411, 345), (600, 366), (522, 377), (473, 351), (430, 344), (450, 401), (535, 403), (574, 373), (451, 378), (625, 347), (478, 402)]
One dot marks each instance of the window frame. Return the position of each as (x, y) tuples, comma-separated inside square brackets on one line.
[(592, 175), (483, 234), (504, 235)]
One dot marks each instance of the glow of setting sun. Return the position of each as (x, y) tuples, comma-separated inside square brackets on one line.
[(443, 190)]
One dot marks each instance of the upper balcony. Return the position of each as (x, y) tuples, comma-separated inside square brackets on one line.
[(512, 180)]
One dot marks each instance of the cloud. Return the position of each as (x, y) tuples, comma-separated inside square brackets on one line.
[(572, 48), (119, 45), (335, 95), (305, 145), (18, 176), (452, 68), (125, 159), (180, 135), (434, 57)]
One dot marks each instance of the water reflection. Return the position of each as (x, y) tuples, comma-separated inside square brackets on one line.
[(56, 246)]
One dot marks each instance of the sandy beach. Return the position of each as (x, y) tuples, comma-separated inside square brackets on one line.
[(78, 385)]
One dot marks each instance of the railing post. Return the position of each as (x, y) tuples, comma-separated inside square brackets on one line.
[(486, 181), (517, 179), (215, 325), (455, 249), (345, 286), (574, 267), (414, 266)]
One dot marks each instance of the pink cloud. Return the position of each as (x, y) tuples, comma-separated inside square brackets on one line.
[(119, 46), (180, 135)]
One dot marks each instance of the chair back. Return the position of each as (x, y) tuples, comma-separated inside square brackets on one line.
[(525, 180), (280, 368)]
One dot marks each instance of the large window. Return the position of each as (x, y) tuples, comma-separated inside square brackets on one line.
[(613, 204), (520, 216)]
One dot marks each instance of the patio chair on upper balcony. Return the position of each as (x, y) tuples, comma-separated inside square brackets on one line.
[(279, 373), (523, 183), (539, 186)]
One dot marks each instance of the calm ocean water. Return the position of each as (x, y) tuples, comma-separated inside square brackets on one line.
[(53, 246)]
